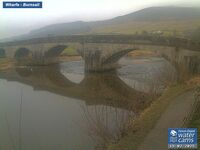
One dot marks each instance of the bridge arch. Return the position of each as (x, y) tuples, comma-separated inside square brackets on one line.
[(2, 53), (116, 56), (55, 51), (23, 53)]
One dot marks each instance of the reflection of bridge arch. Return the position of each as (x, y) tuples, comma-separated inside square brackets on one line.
[(24, 72), (22, 53), (75, 78), (94, 89), (2, 53), (116, 56)]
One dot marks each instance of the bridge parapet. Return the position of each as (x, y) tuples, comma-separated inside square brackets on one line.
[(123, 39)]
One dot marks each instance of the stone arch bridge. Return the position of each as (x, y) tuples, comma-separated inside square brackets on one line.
[(100, 52)]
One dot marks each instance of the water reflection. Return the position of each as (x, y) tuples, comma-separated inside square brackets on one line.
[(101, 89), (106, 124), (47, 110)]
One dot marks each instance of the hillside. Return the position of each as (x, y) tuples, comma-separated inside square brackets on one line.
[(166, 19), (78, 27)]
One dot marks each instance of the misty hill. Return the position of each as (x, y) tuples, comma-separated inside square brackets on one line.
[(166, 19), (78, 27), (161, 14)]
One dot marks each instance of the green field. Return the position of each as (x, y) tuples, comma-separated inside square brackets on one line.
[(69, 51), (167, 27)]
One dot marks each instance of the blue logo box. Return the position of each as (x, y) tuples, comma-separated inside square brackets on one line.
[(22, 4), (185, 138)]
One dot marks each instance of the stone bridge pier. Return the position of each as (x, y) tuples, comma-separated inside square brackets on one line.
[(104, 57)]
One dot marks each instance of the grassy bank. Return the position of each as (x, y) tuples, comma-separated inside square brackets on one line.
[(69, 51), (194, 122), (142, 53), (69, 58), (6, 63), (146, 121)]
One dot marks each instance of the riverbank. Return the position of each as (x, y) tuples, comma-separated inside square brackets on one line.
[(6, 64), (194, 121), (70, 58), (143, 129), (142, 53)]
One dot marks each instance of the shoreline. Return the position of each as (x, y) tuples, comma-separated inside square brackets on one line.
[(69, 58), (6, 64), (141, 128)]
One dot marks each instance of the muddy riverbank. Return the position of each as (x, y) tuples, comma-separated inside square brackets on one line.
[(6, 64)]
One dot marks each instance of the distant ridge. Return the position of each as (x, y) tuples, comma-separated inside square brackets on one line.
[(162, 13), (181, 19)]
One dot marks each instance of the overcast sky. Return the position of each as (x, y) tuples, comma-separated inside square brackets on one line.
[(19, 21)]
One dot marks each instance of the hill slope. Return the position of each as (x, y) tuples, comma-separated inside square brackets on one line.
[(167, 19), (155, 18)]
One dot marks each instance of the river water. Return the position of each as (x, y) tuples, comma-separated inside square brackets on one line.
[(62, 108)]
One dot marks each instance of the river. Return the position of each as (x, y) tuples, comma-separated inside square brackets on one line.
[(61, 107)]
